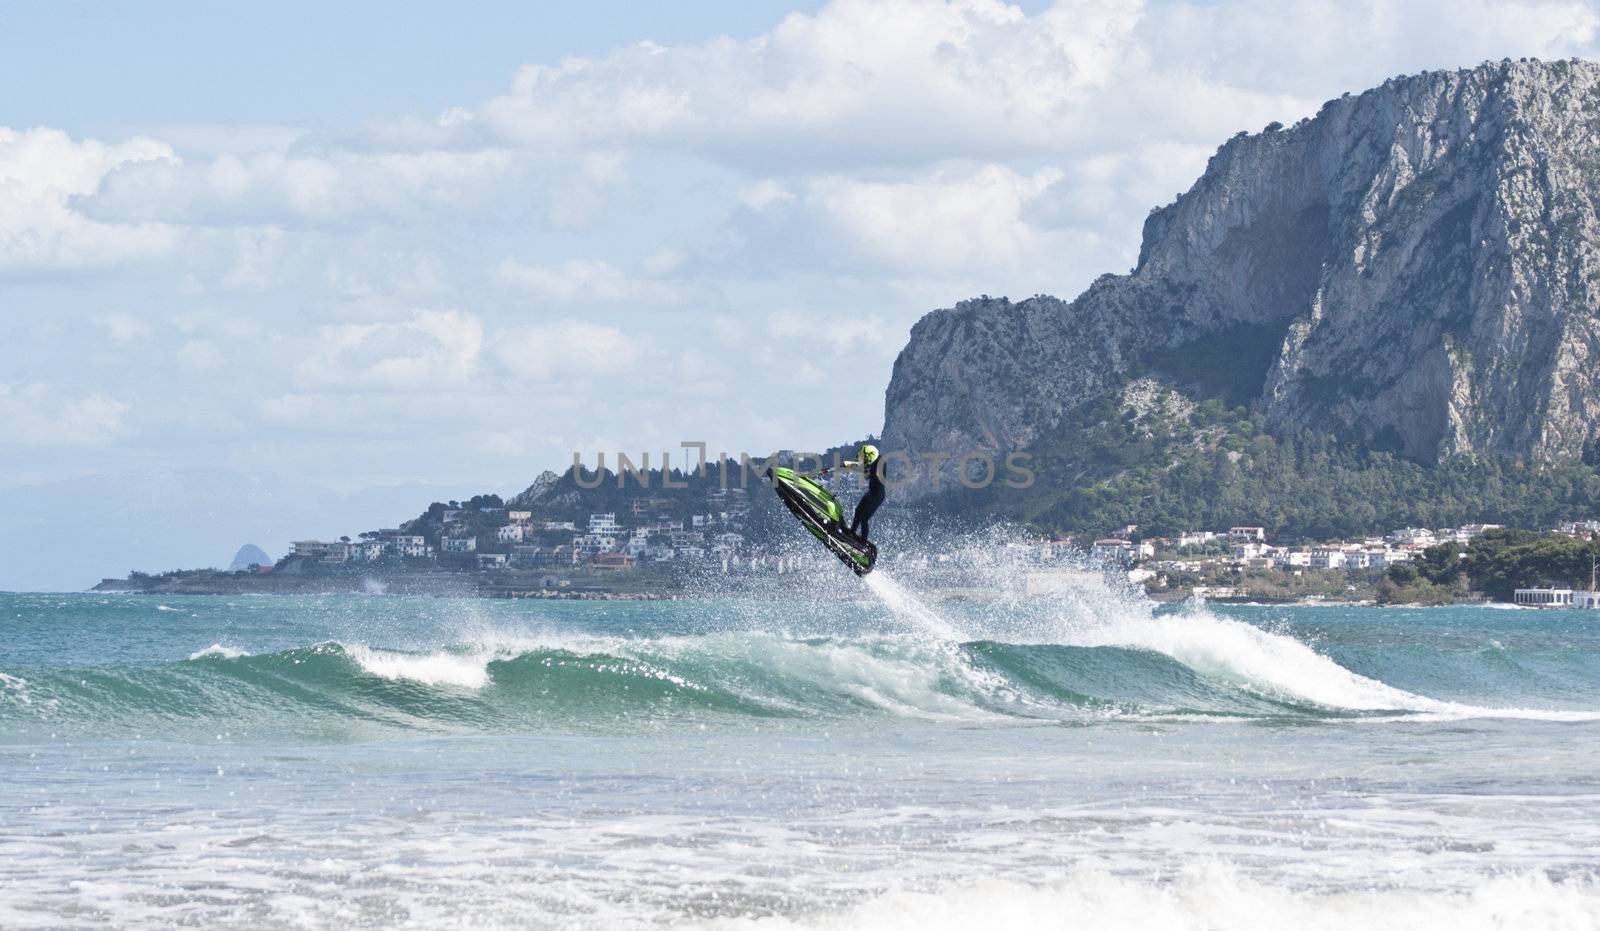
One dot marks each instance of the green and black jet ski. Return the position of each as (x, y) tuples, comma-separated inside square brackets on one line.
[(821, 514)]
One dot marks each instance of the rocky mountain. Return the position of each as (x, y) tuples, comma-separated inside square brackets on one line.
[(1415, 269), (249, 555), (536, 492)]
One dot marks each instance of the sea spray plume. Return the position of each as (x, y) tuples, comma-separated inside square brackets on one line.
[(1095, 606), (910, 609)]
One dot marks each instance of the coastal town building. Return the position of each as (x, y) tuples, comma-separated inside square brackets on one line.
[(404, 545), (1543, 597)]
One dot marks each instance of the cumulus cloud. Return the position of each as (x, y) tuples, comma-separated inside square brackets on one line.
[(906, 81), (841, 332), (122, 327), (947, 218), (593, 281), (41, 171), (39, 415), (431, 351), (567, 349), (281, 187)]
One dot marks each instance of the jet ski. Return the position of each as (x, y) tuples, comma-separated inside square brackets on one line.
[(819, 512)]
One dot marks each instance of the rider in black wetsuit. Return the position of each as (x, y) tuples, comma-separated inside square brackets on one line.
[(868, 461)]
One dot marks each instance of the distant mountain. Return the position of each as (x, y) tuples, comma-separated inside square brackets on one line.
[(249, 555), (1416, 269)]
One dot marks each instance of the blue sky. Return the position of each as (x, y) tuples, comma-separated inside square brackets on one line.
[(98, 67), (453, 245)]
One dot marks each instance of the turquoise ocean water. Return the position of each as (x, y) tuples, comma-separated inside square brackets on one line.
[(865, 760)]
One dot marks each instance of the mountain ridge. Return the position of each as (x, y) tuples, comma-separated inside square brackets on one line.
[(1415, 269)]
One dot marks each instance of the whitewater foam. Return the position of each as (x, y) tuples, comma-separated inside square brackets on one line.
[(470, 671), (1277, 665), (1212, 895), (15, 688), (217, 649)]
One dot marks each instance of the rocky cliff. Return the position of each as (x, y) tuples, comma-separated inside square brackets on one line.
[(1415, 269)]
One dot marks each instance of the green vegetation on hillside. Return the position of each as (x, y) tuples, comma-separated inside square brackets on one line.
[(1501, 561), (1108, 466)]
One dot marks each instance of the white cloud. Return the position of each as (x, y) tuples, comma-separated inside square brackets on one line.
[(39, 415), (201, 356), (431, 351), (282, 187), (591, 281), (41, 171), (841, 332), (567, 349), (905, 81), (123, 327), (948, 218)]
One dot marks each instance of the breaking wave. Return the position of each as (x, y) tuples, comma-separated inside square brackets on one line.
[(1191, 665)]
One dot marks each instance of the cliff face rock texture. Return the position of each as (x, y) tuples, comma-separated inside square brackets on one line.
[(1416, 268)]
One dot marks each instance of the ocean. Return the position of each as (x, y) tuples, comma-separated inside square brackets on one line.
[(873, 758)]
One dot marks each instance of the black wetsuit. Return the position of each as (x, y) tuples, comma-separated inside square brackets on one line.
[(869, 502)]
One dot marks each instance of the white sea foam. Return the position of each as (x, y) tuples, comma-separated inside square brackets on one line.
[(437, 668), (1211, 896), (1233, 651), (217, 649), (15, 688)]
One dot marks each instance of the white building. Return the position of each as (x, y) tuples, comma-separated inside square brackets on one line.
[(589, 545), (459, 544), (1413, 536), (1258, 534), (491, 560), (1324, 557), (407, 545), (510, 533), (519, 517), (1544, 597), (339, 551), (1294, 559), (604, 523), (310, 549)]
